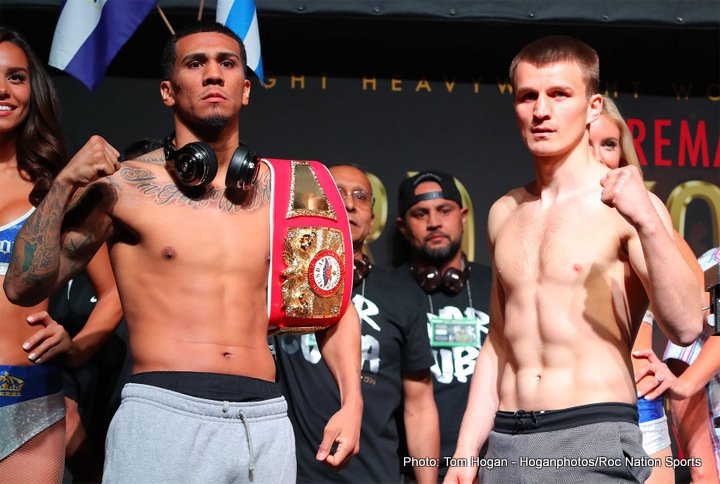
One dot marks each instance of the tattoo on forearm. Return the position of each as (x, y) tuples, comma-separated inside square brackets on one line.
[(37, 249), (77, 245), (168, 193), (29, 254), (61, 236)]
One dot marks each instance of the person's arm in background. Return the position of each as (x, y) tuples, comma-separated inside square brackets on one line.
[(685, 387), (684, 380), (422, 427), (693, 423), (643, 342), (52, 341), (340, 348), (689, 408), (106, 314), (703, 369)]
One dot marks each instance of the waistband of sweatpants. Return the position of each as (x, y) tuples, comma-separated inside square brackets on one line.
[(271, 408), (211, 386), (524, 422)]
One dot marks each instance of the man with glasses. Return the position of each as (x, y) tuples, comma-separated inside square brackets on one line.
[(395, 371)]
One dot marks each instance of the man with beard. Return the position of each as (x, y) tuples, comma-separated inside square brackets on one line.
[(453, 291), (191, 265), (395, 380)]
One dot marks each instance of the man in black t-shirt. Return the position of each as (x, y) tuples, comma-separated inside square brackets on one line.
[(454, 292), (394, 372)]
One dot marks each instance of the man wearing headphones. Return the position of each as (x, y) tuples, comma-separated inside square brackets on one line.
[(453, 291), (191, 256), (395, 377)]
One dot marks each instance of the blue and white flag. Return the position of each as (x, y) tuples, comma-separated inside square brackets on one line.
[(90, 33), (240, 16)]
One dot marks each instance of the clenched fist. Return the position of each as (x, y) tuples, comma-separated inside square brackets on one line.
[(95, 160), (624, 189)]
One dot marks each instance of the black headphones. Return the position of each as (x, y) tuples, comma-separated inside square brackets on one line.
[(451, 281), (361, 269), (195, 164)]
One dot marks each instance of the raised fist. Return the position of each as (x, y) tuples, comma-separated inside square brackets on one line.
[(624, 189), (95, 160)]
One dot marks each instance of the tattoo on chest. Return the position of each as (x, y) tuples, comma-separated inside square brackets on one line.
[(156, 160), (263, 190), (168, 193)]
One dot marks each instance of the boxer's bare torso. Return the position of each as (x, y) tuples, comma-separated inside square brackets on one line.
[(572, 301), (191, 271)]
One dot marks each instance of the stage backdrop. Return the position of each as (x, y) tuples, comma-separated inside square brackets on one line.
[(399, 125), (401, 93)]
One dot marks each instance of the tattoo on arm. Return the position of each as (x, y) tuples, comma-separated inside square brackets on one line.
[(29, 253), (59, 238), (37, 247), (77, 245)]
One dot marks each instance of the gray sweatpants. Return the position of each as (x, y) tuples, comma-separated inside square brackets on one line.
[(607, 452), (158, 435)]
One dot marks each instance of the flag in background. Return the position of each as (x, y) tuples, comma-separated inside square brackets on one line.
[(241, 17), (90, 33)]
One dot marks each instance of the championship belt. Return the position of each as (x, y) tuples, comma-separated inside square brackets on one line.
[(311, 269)]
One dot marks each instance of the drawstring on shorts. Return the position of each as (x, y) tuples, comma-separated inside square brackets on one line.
[(251, 453), (251, 464), (525, 420)]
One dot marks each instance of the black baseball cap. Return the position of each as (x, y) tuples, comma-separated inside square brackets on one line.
[(406, 192)]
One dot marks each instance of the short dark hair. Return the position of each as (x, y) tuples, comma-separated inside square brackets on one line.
[(561, 48), (168, 57), (40, 148)]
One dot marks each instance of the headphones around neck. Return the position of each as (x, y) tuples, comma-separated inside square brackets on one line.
[(361, 269), (451, 281), (195, 164)]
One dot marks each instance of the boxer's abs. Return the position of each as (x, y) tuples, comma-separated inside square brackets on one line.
[(539, 374), (220, 334)]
